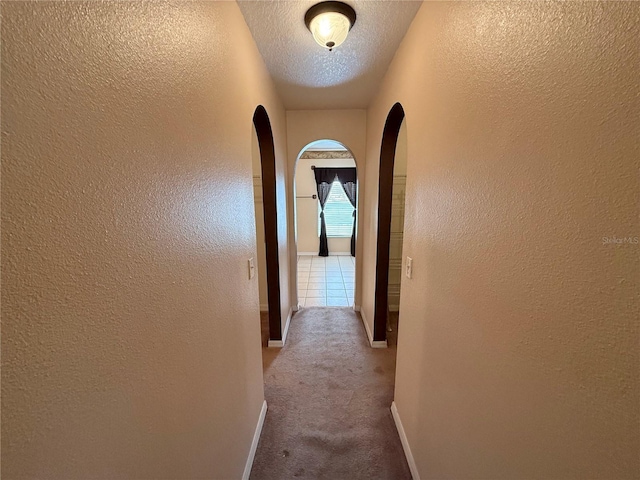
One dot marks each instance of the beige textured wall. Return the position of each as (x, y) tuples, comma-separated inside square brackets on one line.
[(307, 208), (518, 344), (349, 127), (130, 329)]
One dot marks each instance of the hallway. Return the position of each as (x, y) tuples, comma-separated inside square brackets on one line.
[(329, 396), (150, 212)]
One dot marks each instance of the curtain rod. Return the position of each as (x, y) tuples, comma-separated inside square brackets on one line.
[(308, 196)]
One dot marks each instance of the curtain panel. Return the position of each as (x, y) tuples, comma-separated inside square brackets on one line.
[(324, 178), (350, 190)]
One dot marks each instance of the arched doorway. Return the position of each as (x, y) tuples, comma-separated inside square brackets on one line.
[(385, 196), (325, 261), (264, 135)]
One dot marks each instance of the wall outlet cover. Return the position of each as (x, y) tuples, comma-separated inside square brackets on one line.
[(252, 269)]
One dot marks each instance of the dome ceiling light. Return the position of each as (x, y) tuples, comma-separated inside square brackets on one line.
[(330, 22)]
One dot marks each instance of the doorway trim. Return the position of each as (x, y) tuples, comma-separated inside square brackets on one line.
[(297, 253), (268, 168), (385, 192)]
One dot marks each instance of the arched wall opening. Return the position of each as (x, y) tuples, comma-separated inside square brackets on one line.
[(325, 280), (267, 173), (390, 135), (349, 127)]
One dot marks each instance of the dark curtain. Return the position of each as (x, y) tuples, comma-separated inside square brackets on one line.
[(350, 190), (324, 179)]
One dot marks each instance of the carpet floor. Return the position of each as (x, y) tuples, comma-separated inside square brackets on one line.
[(329, 396)]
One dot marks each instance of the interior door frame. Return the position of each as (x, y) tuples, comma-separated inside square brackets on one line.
[(385, 192), (269, 200)]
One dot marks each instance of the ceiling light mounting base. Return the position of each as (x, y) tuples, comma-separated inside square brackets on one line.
[(330, 22)]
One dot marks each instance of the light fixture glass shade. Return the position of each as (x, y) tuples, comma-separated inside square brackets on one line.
[(330, 29)]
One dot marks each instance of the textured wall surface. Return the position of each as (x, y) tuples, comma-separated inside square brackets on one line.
[(347, 127), (130, 329), (518, 342)]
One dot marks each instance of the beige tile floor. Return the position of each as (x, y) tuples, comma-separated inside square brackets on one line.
[(326, 281)]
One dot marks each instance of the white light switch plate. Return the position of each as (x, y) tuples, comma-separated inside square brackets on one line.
[(252, 269), (408, 268)]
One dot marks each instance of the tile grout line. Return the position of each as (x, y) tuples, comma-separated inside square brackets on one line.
[(322, 267)]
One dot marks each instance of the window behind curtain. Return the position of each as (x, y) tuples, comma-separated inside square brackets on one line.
[(338, 213)]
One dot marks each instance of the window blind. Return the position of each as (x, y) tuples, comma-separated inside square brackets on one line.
[(338, 213)]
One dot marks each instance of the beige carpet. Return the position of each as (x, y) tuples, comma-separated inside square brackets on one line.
[(329, 396)]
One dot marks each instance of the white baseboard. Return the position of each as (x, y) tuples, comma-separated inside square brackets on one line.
[(254, 443), (264, 307), (374, 344), (280, 343), (405, 442), (286, 326), (356, 308)]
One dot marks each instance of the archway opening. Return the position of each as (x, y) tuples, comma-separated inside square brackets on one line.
[(325, 186), (268, 265), (385, 208)]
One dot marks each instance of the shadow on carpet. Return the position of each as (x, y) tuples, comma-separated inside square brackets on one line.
[(329, 396)]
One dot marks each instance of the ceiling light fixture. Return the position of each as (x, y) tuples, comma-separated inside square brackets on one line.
[(330, 22)]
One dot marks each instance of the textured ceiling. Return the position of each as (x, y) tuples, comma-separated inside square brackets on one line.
[(308, 76)]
